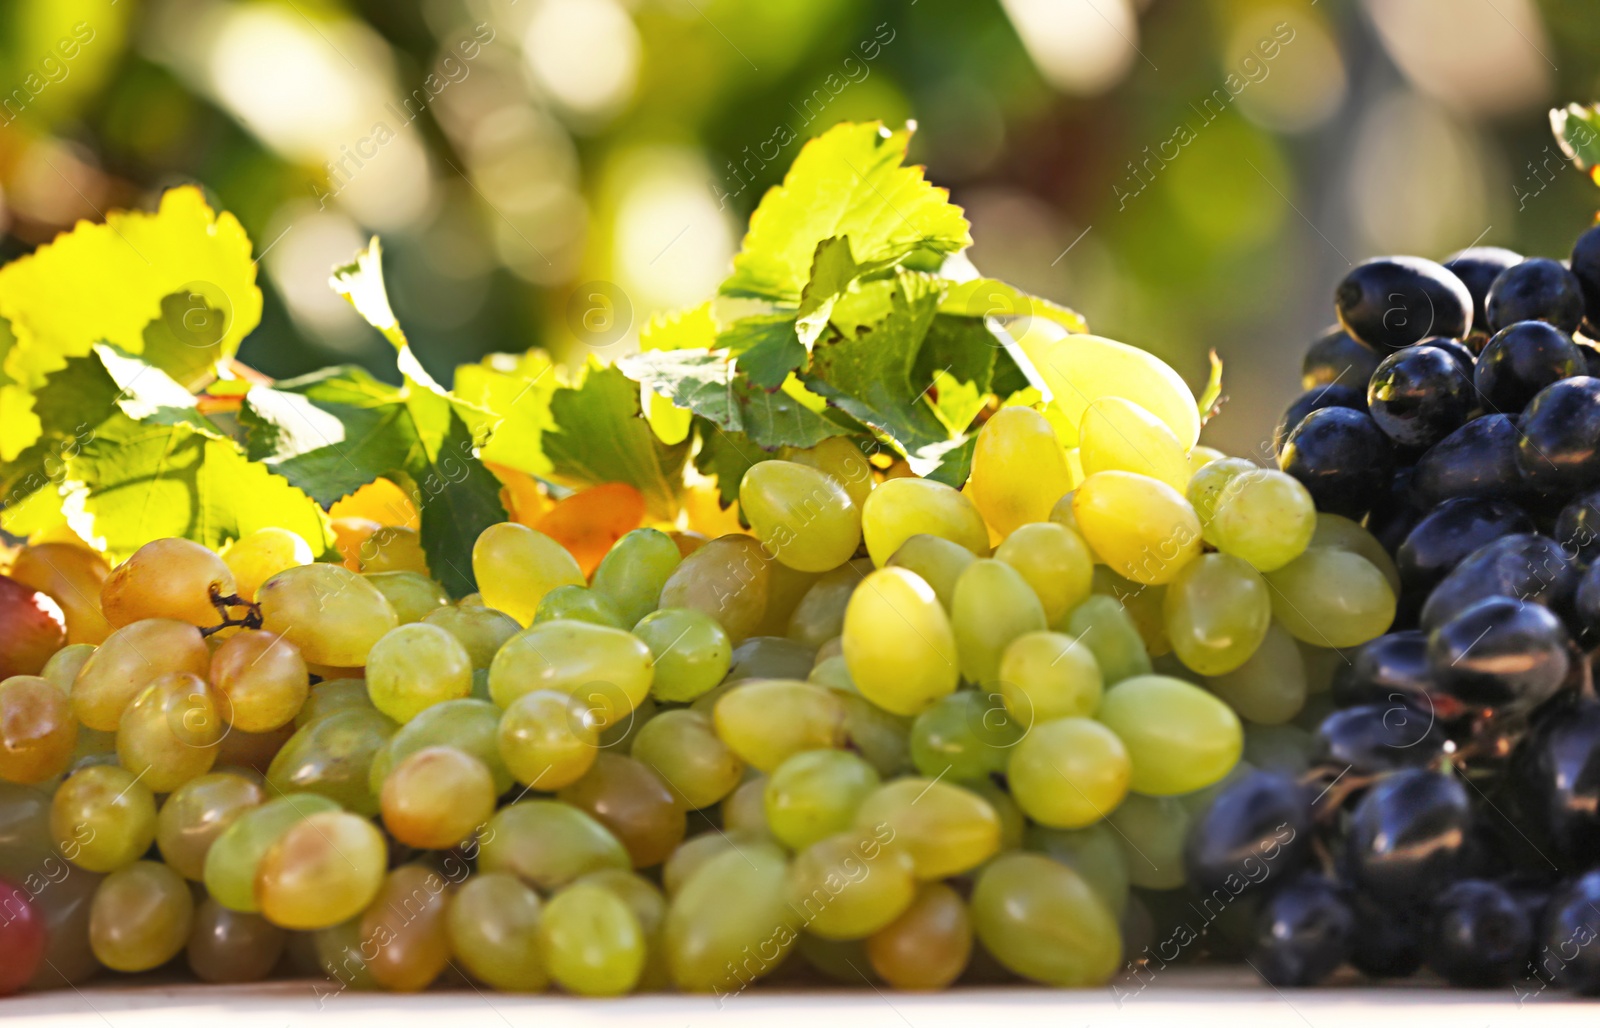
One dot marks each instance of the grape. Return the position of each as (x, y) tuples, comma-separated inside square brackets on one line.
[(898, 642), (32, 627), (261, 680), (548, 739), (939, 562), (436, 797), (1179, 737), (62, 669), (577, 603), (196, 815), (1483, 935), (696, 851), (1144, 530), (840, 458), (167, 578), (257, 556), (1042, 921), (1217, 612), (903, 507), (993, 604), (591, 942), (393, 548), (1500, 655), (606, 668), (1207, 485), (690, 650), (332, 696), (235, 855), (1534, 288), (1013, 824), (1391, 302), (879, 736), (786, 587), (1044, 676), (632, 575), (141, 917), (547, 844), (333, 756), (729, 578), (1095, 853), (841, 960), (404, 929), (415, 666), (493, 927), (1343, 458), (967, 735), (1119, 435), (22, 939), (1270, 687), (633, 803), (730, 922), (481, 630), (1075, 752), (103, 818), (851, 884), (131, 658), (227, 947), (1306, 931), (1018, 469), (326, 868), (804, 517), (928, 945), (251, 752), (1340, 533), (1152, 831), (819, 616), (683, 749), (38, 733), (641, 896), (1200, 456), (945, 828), (471, 726), (1331, 598), (1102, 624), (1054, 560), (744, 810), (412, 594), (169, 733), (72, 576), (766, 722), (1421, 394), (815, 794), (1081, 368), (1265, 518), (334, 615)]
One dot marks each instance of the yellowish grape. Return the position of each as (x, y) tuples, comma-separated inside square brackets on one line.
[(1144, 530), (515, 566), (903, 507), (898, 642), (1018, 469)]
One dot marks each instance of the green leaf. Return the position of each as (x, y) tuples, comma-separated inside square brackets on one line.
[(949, 462), (726, 456), (706, 383), (600, 435), (1577, 129), (1212, 399), (991, 298), (766, 348), (849, 181), (517, 389)]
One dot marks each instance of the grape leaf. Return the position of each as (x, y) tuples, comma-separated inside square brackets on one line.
[(848, 181), (766, 346), (707, 383), (518, 390), (1577, 130), (600, 435), (726, 456), (674, 330)]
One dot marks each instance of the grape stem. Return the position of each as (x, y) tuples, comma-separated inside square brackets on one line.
[(225, 605)]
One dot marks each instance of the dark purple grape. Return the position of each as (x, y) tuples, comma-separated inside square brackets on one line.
[(1397, 511), (1342, 458), (1393, 733), (1390, 669), (1257, 829), (1522, 359), (1586, 269), (1525, 566), (1477, 267), (1477, 459), (1338, 358), (1559, 450), (1389, 939), (1480, 936), (1578, 527), (1390, 302), (1537, 289), (1407, 835), (1419, 395), (1569, 956), (1313, 400), (1556, 779), (1465, 358), (1586, 604), (1448, 534), (1306, 930), (1500, 654)]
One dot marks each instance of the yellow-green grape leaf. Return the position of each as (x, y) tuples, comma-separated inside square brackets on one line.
[(516, 388), (1577, 130), (688, 329)]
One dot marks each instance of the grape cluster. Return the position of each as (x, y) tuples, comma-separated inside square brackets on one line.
[(1446, 810), (888, 731)]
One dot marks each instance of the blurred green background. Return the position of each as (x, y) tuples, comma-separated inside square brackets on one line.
[(1188, 173)]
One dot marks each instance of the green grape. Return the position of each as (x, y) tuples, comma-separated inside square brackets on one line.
[(1151, 831), (61, 670), (38, 734), (815, 794), (1047, 675), (1207, 485), (470, 725), (769, 656), (690, 652), (1286, 748), (591, 942), (1019, 469), (493, 928), (1145, 604), (1336, 533), (1095, 853), (649, 909), (633, 572), (1041, 920), (1144, 530), (851, 884), (167, 578), (436, 797), (515, 566), (331, 696), (1320, 666), (730, 922), (131, 658), (412, 594), (1054, 561), (1200, 456), (682, 747), (326, 868), (695, 852), (577, 603), (967, 735), (633, 803), (333, 614), (606, 668), (938, 562), (744, 810), (819, 616), (840, 458), (261, 679), (884, 739), (928, 945), (393, 548), (414, 667), (1119, 435), (1217, 612), (169, 733), (1179, 737), (1061, 514), (1270, 687), (842, 960), (548, 739), (993, 605), (336, 954), (256, 556), (898, 642), (197, 813), (766, 722), (482, 630), (227, 947), (903, 507), (235, 854), (1069, 773), (1331, 598), (332, 756), (1103, 624), (946, 829), (786, 587), (729, 578), (102, 818), (804, 517), (547, 844), (141, 917), (404, 927), (1012, 821), (1264, 517)]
